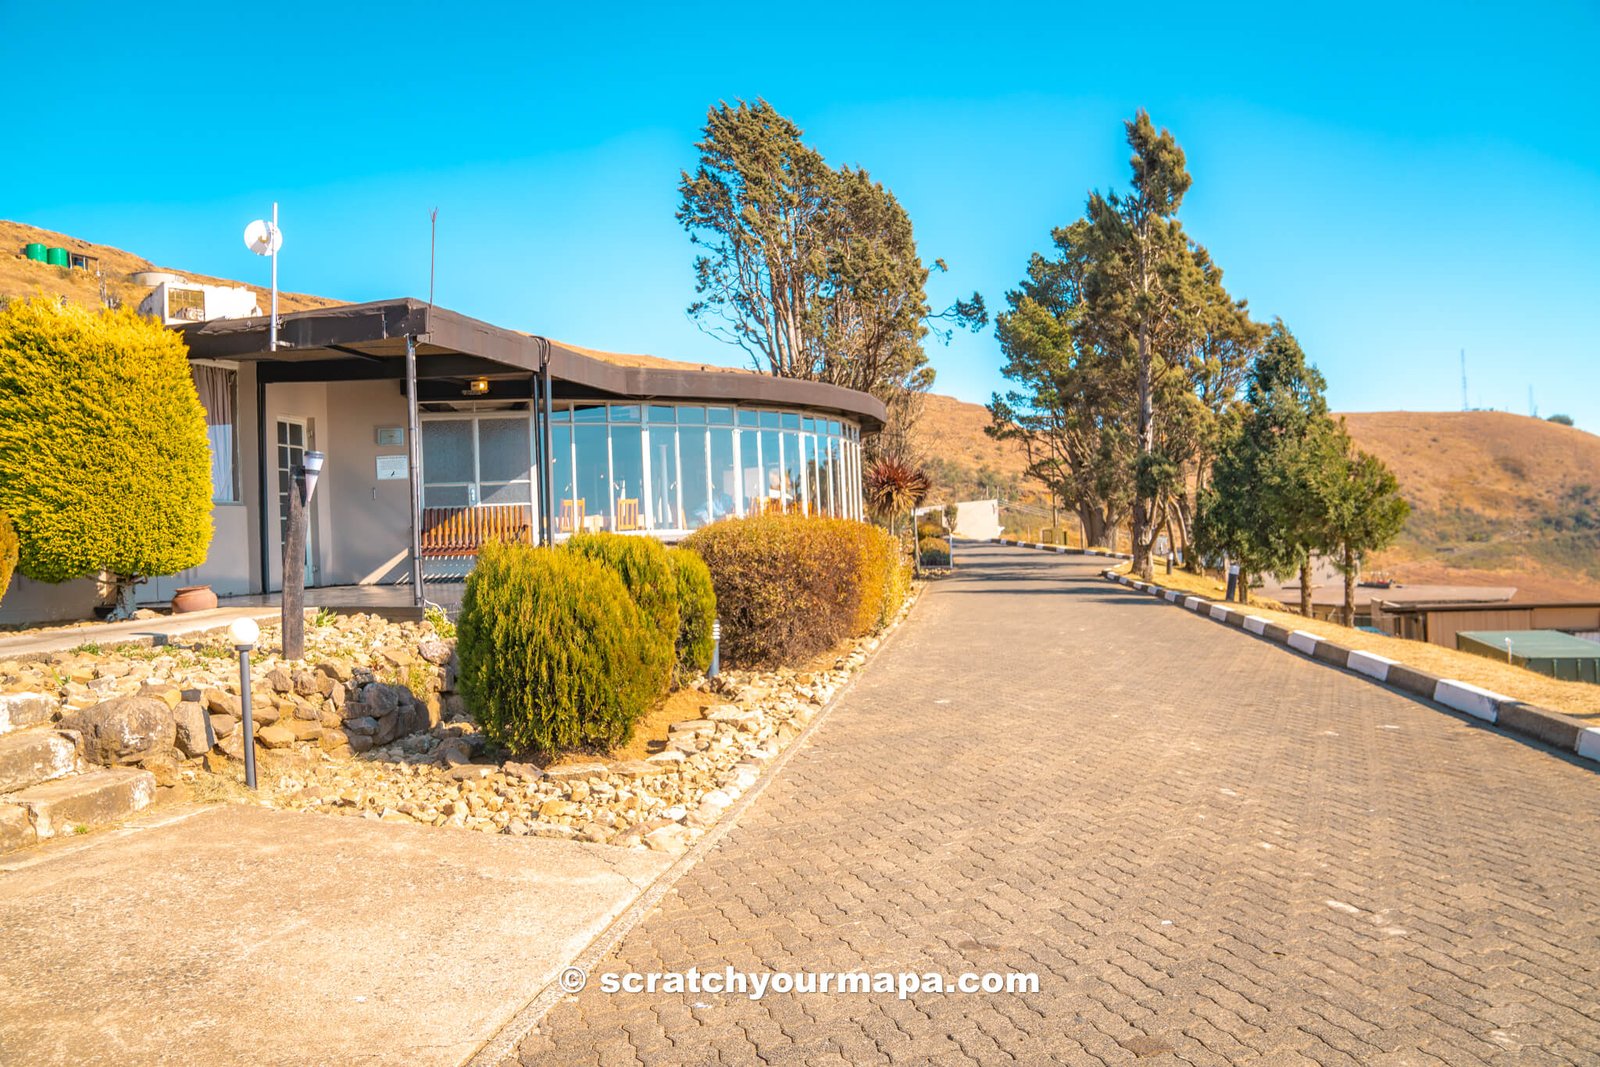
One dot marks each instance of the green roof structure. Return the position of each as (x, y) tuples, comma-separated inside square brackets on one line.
[(1551, 652)]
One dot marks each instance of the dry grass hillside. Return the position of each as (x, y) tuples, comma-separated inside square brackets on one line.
[(20, 276)]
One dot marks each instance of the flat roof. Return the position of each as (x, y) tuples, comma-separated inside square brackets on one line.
[(1536, 644), (354, 342), (1495, 605)]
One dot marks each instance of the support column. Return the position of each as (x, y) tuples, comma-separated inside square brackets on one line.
[(414, 469), (549, 449), (261, 489)]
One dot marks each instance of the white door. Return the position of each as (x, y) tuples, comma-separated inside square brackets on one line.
[(294, 441)]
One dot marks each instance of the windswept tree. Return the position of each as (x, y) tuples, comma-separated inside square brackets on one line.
[(813, 272)]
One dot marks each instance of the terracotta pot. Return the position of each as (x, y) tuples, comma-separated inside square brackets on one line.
[(193, 598)]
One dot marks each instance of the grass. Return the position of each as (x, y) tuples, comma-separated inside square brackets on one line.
[(1578, 699)]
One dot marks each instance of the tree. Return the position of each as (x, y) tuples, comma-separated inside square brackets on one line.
[(1265, 505), (8, 552), (1560, 420), (1142, 290), (1364, 512), (104, 461), (813, 272)]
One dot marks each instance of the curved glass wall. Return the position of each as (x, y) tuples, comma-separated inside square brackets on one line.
[(664, 468)]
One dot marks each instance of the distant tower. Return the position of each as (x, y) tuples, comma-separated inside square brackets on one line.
[(1533, 409), (1464, 405)]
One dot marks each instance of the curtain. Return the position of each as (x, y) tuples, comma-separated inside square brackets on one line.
[(218, 389)]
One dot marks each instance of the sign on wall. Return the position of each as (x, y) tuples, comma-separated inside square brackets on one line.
[(392, 468), (391, 436)]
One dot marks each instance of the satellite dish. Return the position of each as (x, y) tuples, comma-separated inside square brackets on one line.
[(263, 238)]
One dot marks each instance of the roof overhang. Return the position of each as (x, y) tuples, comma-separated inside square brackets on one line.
[(356, 342)]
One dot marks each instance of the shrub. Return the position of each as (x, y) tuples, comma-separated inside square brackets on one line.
[(104, 462), (554, 653), (935, 552), (8, 552), (697, 610), (641, 563), (789, 587), (929, 529)]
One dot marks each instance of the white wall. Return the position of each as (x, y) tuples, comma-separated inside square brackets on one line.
[(369, 521), (978, 520)]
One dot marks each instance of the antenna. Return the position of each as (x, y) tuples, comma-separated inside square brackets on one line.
[(433, 245), (1464, 405), (1533, 409), (264, 239)]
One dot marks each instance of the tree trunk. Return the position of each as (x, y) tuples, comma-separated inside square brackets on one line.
[(1349, 587), (1244, 585), (1305, 587), (1147, 442)]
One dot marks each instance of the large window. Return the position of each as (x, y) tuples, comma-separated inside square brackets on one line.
[(219, 395)]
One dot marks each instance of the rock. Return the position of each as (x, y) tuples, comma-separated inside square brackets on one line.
[(666, 756), (219, 703), (552, 829), (692, 728), (303, 730), (553, 809), (639, 769), (573, 771), (359, 743), (468, 772), (526, 772), (25, 709), (145, 614), (306, 710), (746, 719), (222, 726), (364, 724), (380, 699), (306, 684), (123, 729), (264, 713), (332, 671), (194, 736), (671, 838), (332, 739), (163, 767), (435, 652), (215, 763), (276, 736), (279, 680)]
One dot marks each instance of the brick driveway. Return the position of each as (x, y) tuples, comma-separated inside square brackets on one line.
[(1210, 851)]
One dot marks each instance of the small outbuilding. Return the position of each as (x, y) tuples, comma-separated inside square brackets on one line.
[(1551, 652)]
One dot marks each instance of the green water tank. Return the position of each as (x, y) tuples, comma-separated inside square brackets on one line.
[(35, 251), (56, 257)]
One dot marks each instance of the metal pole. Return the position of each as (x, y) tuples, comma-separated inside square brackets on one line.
[(249, 723), (273, 340), (549, 441), (536, 506), (716, 649), (414, 464), (294, 569), (261, 495)]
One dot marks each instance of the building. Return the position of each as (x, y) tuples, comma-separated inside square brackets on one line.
[(1439, 623), (434, 425)]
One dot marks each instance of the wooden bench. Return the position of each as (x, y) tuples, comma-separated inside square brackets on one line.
[(459, 532)]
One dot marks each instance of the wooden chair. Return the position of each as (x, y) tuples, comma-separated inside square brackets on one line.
[(571, 519), (628, 513)]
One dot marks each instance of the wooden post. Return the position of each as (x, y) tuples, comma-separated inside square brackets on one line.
[(294, 569)]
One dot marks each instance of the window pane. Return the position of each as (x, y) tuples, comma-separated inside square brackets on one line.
[(627, 477), (752, 485), (503, 450), (624, 412), (444, 496), (447, 450), (691, 414), (696, 490), (836, 463), (771, 471), (589, 413), (748, 417), (792, 477), (724, 476), (568, 516), (592, 480), (719, 416), (504, 493), (662, 413), (791, 420), (663, 477), (813, 485), (770, 420), (560, 415)]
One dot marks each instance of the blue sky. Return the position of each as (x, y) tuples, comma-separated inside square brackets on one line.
[(1398, 182)]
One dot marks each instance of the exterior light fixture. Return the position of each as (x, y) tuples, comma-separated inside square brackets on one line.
[(478, 386), (312, 461), (245, 633), (303, 482), (716, 649)]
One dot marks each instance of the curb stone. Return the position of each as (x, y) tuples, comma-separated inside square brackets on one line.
[(1559, 731), (1061, 549)]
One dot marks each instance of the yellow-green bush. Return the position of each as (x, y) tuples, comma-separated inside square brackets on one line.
[(554, 652), (641, 563), (8, 552), (929, 529), (697, 610), (791, 586), (104, 463), (935, 552)]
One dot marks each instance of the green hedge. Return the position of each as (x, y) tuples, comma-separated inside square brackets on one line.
[(697, 610), (641, 563), (789, 586), (554, 652), (935, 552), (8, 552)]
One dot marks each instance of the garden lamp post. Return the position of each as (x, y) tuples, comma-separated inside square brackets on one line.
[(245, 634), (716, 649), (302, 483)]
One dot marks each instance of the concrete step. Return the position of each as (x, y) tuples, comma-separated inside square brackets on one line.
[(19, 710), (33, 756), (91, 799)]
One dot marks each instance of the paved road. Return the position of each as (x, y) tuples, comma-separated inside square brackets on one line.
[(1210, 850)]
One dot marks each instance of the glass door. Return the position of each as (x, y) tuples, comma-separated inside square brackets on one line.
[(294, 441)]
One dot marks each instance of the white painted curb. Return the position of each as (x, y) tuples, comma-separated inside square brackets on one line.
[(1301, 641), (1256, 624), (1192, 603), (1219, 612), (1371, 664), (1464, 697), (1589, 743)]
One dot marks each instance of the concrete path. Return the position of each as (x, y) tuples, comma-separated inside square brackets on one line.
[(1210, 851), (238, 935), (144, 631)]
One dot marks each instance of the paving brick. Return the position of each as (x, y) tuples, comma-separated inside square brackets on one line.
[(1199, 841)]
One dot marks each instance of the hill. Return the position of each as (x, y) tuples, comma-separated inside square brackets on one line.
[(1497, 499), (20, 276)]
